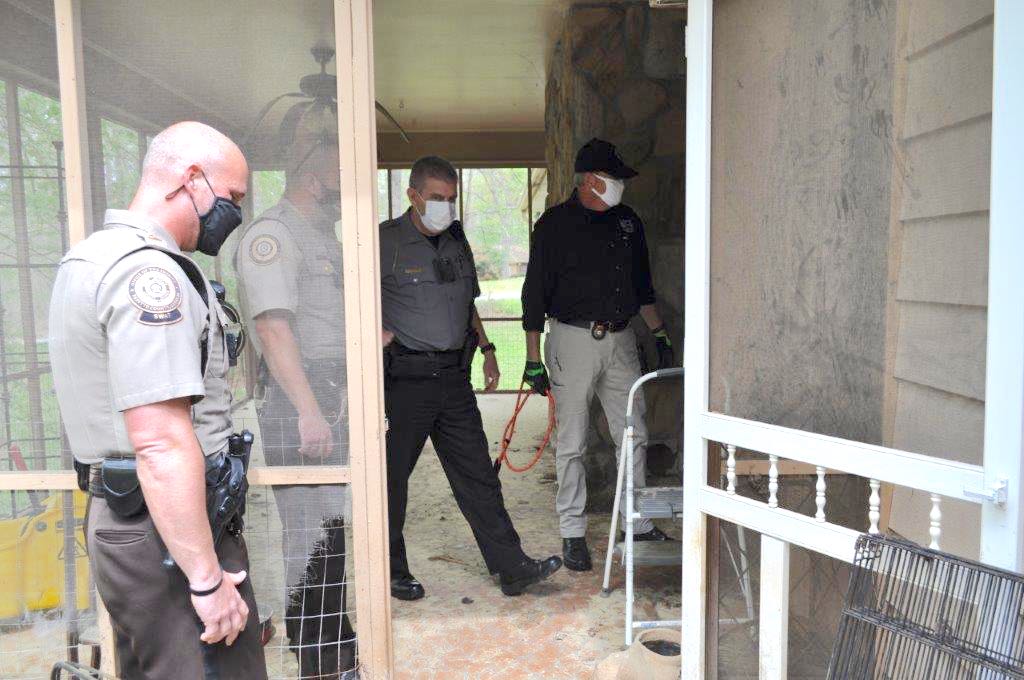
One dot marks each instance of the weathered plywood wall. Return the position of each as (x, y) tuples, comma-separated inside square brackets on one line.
[(940, 229), (800, 212)]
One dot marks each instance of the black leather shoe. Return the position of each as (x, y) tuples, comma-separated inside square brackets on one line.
[(406, 588), (576, 554), (528, 573), (654, 534)]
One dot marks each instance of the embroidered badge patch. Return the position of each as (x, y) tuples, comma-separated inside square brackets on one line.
[(155, 291), (627, 226), (264, 250)]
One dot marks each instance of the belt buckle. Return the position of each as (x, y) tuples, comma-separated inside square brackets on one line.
[(598, 330)]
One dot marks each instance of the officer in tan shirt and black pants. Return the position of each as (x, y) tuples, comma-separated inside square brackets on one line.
[(140, 359)]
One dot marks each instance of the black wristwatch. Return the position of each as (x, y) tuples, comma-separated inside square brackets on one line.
[(489, 347)]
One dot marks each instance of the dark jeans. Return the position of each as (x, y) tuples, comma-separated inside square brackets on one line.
[(444, 409)]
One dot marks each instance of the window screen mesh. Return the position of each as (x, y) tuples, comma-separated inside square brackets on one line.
[(148, 65)]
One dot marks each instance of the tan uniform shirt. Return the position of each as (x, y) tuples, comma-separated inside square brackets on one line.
[(287, 262), (128, 328)]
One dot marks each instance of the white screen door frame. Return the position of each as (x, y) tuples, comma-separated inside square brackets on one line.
[(1001, 530)]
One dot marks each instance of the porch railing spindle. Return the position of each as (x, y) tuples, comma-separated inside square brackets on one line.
[(819, 494), (874, 506), (730, 470), (935, 521)]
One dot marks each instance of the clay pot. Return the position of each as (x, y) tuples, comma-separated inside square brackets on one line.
[(640, 663)]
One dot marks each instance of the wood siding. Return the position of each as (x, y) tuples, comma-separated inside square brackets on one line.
[(943, 140)]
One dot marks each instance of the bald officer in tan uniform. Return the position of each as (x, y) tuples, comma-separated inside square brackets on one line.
[(289, 270), (139, 363)]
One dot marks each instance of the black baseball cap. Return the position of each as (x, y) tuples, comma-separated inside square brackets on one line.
[(598, 155)]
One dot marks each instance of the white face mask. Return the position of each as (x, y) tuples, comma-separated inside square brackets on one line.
[(438, 216), (613, 189)]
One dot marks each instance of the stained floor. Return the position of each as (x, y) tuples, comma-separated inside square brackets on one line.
[(465, 627)]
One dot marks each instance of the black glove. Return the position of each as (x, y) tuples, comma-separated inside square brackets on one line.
[(536, 376), (666, 356)]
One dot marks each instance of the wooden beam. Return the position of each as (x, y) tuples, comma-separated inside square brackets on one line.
[(786, 468), (353, 30), (258, 476), (465, 149), (38, 481), (299, 474), (73, 118), (71, 78)]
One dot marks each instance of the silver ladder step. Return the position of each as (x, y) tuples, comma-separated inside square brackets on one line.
[(654, 553), (659, 502)]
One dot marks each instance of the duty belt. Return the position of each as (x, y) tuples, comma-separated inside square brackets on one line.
[(214, 464), (598, 329), (444, 358)]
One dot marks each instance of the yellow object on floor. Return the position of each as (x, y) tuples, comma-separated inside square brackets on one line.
[(32, 559)]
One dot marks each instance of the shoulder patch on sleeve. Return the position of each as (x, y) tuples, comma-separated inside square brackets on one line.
[(264, 249), (156, 292)]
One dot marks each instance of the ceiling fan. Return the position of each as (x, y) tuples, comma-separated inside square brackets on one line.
[(321, 89)]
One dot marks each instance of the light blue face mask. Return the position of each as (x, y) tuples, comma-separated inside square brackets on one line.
[(438, 216)]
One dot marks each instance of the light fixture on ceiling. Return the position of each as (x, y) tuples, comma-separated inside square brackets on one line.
[(321, 89)]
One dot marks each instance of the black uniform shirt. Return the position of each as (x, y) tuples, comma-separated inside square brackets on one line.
[(586, 266)]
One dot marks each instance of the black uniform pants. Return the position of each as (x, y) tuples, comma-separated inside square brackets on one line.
[(443, 407)]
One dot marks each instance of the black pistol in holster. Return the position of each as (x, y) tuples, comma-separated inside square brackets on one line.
[(226, 487), (225, 500)]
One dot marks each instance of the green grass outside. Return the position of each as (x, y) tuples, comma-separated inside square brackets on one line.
[(500, 298)]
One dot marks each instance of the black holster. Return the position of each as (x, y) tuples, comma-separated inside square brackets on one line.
[(226, 487), (121, 489)]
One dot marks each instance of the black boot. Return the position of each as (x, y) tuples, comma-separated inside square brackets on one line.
[(526, 574), (320, 632), (406, 587), (576, 554)]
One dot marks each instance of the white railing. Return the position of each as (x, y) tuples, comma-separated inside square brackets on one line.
[(780, 527), (815, 532)]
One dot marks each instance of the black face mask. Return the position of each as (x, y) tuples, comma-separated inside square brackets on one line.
[(217, 223), (330, 203)]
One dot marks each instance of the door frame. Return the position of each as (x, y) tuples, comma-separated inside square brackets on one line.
[(367, 473), (1001, 531)]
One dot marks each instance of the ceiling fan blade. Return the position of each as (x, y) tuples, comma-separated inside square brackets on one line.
[(387, 114), (266, 109)]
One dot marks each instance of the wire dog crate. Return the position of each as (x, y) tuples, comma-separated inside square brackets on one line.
[(912, 612)]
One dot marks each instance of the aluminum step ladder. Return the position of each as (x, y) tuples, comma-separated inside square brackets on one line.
[(644, 503)]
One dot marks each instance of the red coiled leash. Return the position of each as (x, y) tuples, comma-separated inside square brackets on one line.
[(510, 430)]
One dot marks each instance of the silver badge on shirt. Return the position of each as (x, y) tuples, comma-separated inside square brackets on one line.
[(264, 249), (156, 293)]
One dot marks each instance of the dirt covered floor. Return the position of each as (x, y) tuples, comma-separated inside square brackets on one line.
[(465, 627)]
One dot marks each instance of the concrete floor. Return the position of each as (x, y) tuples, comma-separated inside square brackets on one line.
[(465, 627)]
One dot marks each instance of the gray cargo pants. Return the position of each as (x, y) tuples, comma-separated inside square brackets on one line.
[(580, 366)]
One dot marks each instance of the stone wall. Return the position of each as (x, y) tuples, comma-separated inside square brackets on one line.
[(618, 72)]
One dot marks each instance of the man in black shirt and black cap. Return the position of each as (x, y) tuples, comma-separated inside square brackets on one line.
[(589, 273)]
